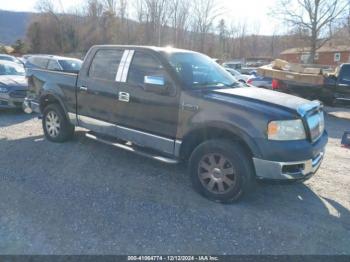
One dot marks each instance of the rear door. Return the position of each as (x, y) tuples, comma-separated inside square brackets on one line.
[(343, 86), (97, 92)]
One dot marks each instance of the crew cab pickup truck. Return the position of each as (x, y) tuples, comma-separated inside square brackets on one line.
[(175, 105)]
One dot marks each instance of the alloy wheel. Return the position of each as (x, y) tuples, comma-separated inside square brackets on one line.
[(216, 173), (52, 124)]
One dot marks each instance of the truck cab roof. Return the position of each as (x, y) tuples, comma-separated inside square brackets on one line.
[(167, 49)]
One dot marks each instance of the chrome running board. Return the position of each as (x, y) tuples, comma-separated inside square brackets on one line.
[(139, 151)]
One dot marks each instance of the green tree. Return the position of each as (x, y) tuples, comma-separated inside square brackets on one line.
[(20, 47)]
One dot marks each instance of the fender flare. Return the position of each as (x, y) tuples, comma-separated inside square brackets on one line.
[(248, 140), (52, 92)]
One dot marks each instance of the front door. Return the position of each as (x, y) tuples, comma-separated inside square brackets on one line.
[(97, 92), (148, 118)]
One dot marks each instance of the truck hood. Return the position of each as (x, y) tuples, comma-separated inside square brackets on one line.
[(289, 102)]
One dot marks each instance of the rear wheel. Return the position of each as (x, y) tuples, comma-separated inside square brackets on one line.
[(221, 170), (57, 127)]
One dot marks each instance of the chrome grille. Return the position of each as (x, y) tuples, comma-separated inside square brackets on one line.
[(315, 122)]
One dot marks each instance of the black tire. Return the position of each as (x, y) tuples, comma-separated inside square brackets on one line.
[(243, 173), (64, 129)]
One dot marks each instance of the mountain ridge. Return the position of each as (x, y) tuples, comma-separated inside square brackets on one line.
[(13, 26)]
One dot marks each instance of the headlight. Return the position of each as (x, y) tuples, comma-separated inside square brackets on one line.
[(3, 89), (286, 130)]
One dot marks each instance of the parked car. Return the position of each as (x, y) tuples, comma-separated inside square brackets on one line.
[(10, 58), (24, 58), (217, 60), (13, 85), (260, 81), (248, 70), (233, 65), (177, 105), (54, 63), (238, 75)]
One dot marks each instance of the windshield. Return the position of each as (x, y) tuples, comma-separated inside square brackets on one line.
[(11, 69), (70, 65), (199, 71)]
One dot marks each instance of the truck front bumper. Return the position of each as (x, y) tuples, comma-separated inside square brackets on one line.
[(290, 160), (299, 170)]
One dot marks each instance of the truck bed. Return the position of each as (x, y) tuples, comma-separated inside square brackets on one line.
[(40, 77), (63, 84), (300, 78)]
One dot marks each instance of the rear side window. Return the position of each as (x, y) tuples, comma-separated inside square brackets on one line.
[(70, 65), (105, 64), (144, 65), (53, 65), (39, 61)]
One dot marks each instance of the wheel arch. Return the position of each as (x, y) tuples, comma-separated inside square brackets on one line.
[(200, 134), (49, 98)]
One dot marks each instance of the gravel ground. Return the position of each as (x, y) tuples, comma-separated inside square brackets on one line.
[(83, 197)]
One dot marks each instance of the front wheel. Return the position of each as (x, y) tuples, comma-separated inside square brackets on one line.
[(221, 170), (57, 127)]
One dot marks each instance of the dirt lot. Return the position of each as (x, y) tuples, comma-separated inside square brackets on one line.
[(84, 197)]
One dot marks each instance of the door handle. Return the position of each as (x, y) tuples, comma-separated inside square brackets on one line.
[(124, 97), (83, 88)]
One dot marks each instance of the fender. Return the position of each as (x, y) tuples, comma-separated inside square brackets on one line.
[(226, 128), (54, 92)]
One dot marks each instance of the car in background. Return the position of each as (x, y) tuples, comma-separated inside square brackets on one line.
[(240, 77), (260, 81), (10, 58), (217, 60), (13, 84), (248, 70), (54, 63), (24, 58), (233, 65)]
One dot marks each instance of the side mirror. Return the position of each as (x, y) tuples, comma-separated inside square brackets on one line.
[(155, 84)]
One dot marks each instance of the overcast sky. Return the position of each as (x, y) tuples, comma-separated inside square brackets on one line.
[(253, 12)]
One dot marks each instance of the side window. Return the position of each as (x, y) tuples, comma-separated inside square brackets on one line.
[(40, 62), (34, 61), (53, 65), (144, 65), (345, 75), (105, 64)]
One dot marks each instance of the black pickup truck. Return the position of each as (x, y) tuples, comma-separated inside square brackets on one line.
[(334, 90), (176, 105)]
